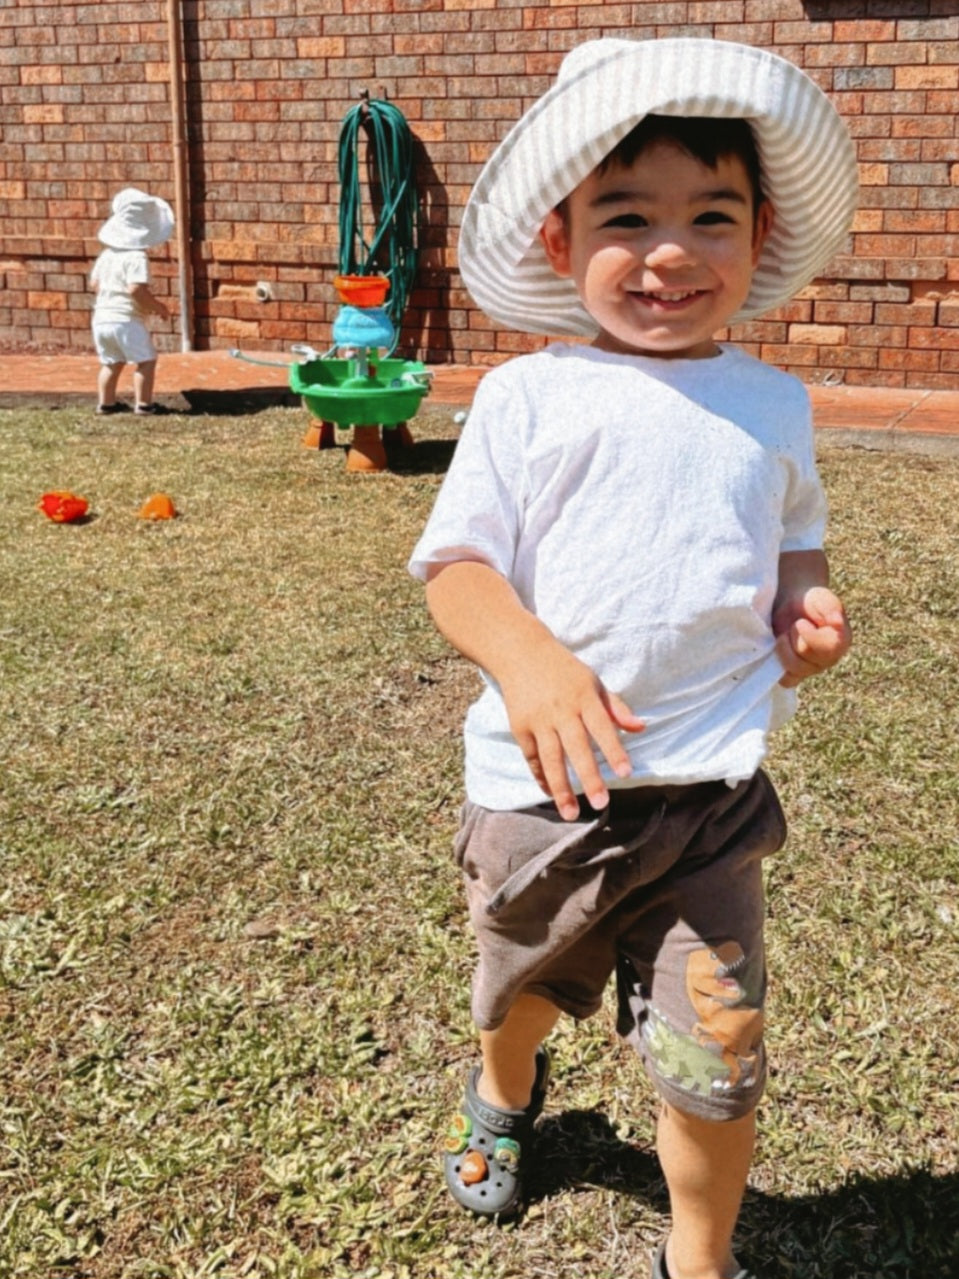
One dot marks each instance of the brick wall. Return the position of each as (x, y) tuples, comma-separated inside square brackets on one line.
[(85, 109)]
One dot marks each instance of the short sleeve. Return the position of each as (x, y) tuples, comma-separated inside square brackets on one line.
[(477, 512), (136, 269), (804, 515)]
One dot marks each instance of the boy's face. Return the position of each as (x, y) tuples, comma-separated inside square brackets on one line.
[(662, 253)]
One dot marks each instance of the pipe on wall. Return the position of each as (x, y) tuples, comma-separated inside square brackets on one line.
[(180, 170)]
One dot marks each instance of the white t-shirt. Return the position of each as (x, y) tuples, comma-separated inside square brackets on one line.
[(639, 507), (115, 272)]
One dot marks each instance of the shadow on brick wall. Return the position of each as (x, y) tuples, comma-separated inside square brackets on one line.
[(193, 90), (426, 324), (877, 10)]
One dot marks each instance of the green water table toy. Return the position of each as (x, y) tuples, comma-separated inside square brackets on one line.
[(359, 388)]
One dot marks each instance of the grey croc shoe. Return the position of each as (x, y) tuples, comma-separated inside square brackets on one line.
[(487, 1149), (659, 1270)]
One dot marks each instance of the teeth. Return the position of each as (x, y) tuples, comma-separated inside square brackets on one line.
[(665, 295)]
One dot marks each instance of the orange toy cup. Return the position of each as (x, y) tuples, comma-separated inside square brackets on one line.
[(158, 507), (362, 290), (62, 506)]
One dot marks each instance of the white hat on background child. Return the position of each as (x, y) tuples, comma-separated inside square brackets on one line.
[(139, 221), (604, 89)]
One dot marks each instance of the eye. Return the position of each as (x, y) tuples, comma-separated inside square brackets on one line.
[(629, 221), (714, 217)]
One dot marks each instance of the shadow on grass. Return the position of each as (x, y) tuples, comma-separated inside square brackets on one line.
[(581, 1147), (233, 402), (900, 1227), (426, 457)]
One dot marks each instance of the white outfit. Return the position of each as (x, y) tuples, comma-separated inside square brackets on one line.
[(119, 332), (639, 507)]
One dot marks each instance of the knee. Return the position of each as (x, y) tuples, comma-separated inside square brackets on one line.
[(695, 1124)]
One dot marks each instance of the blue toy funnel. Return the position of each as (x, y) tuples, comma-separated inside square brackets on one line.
[(367, 328)]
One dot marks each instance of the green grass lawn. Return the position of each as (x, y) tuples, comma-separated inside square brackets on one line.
[(233, 958)]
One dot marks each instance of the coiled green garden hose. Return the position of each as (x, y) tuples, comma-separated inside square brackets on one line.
[(388, 247)]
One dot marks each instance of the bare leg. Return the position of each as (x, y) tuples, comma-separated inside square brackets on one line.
[(107, 382), (143, 376), (706, 1165), (509, 1052)]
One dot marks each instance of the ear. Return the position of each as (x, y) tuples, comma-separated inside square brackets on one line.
[(555, 238), (765, 218)]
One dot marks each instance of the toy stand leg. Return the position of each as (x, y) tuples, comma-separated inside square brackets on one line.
[(366, 453), (397, 440), (402, 436), (322, 436)]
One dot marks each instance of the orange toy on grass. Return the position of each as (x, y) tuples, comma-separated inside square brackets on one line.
[(62, 506), (158, 507)]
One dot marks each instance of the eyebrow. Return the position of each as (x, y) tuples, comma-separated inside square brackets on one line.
[(709, 196)]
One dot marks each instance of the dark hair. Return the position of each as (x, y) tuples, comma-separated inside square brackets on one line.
[(705, 138)]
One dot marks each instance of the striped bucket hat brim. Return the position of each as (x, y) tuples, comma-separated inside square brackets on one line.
[(604, 88)]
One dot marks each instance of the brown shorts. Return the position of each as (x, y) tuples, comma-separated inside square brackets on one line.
[(664, 887)]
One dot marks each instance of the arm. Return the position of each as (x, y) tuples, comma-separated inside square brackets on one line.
[(808, 620), (557, 706), (146, 303)]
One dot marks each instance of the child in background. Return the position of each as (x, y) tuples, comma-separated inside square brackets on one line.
[(121, 278), (629, 546)]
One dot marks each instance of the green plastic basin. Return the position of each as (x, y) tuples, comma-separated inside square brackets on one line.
[(331, 392)]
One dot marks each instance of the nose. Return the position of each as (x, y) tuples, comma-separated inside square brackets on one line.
[(670, 250)]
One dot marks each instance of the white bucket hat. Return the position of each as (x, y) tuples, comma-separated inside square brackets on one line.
[(139, 221), (604, 88)]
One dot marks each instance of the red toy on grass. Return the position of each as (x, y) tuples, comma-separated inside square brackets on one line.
[(63, 507)]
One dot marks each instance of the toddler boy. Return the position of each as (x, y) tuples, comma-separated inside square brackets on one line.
[(629, 546), (121, 278)]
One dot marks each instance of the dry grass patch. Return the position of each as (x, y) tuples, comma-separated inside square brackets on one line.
[(233, 962)]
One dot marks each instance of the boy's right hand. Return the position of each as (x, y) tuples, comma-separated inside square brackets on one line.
[(558, 716), (559, 711)]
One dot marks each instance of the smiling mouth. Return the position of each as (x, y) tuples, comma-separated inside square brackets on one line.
[(666, 295)]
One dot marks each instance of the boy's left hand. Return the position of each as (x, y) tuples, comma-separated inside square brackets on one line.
[(812, 633)]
